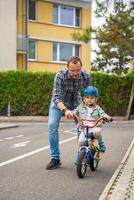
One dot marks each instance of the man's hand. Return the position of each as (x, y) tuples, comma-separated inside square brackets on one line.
[(69, 114)]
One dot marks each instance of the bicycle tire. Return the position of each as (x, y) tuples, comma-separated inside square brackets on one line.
[(94, 161), (81, 164)]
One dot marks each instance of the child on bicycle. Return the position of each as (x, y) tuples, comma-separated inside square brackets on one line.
[(90, 110)]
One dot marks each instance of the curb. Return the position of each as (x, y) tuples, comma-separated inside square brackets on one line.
[(5, 125), (45, 119), (113, 183), (27, 119)]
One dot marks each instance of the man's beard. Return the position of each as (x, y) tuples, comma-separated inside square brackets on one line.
[(75, 77)]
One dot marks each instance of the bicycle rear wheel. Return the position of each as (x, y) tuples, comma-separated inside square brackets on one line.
[(81, 164), (94, 161)]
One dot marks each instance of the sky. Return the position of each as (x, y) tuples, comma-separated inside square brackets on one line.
[(95, 23)]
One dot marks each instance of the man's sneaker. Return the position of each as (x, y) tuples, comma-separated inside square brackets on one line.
[(54, 163), (102, 147)]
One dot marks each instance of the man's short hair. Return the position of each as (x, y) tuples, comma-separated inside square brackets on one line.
[(74, 59)]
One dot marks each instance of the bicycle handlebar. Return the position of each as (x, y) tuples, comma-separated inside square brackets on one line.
[(81, 120)]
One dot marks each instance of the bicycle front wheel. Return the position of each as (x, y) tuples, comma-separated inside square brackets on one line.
[(81, 164), (94, 161)]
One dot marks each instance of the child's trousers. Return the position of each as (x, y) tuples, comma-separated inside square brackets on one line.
[(96, 133)]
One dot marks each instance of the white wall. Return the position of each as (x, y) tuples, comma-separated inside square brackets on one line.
[(7, 34)]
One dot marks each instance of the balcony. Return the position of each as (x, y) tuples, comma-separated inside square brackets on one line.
[(22, 44)]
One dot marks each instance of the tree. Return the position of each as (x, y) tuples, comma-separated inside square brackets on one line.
[(131, 69), (103, 6), (115, 39)]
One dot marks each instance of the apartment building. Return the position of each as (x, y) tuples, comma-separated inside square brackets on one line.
[(40, 33)]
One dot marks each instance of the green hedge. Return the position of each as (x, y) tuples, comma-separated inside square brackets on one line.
[(30, 93), (114, 92)]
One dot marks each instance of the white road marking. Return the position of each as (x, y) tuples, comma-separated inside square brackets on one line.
[(32, 152), (18, 136), (70, 131), (22, 144), (8, 138)]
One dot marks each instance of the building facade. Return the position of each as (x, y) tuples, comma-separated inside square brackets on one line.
[(44, 33), (8, 34)]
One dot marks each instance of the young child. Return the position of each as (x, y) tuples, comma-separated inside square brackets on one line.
[(90, 110)]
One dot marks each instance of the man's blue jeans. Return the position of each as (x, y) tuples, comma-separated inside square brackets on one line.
[(53, 125), (55, 115)]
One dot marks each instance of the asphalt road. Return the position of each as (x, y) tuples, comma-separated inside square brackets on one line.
[(24, 153)]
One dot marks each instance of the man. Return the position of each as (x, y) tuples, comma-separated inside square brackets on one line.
[(65, 98)]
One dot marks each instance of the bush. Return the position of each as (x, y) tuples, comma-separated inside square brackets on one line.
[(30, 93), (114, 92)]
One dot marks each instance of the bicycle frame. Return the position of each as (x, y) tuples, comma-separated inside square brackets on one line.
[(89, 145)]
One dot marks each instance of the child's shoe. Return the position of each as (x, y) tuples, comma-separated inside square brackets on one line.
[(102, 147), (75, 162)]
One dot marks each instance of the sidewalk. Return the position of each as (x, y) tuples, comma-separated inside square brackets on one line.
[(45, 119), (7, 125), (121, 185), (27, 119)]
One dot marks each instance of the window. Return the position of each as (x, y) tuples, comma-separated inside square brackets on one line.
[(62, 51), (32, 50), (65, 15), (32, 9)]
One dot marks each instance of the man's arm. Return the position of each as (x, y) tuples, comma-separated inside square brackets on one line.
[(57, 92), (61, 106)]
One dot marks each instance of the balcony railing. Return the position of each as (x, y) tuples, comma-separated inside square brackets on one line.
[(22, 44)]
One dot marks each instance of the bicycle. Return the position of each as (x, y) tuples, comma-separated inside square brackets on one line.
[(88, 154)]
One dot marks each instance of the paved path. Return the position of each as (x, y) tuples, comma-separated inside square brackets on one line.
[(121, 185)]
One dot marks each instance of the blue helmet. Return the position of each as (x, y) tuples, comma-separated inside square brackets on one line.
[(90, 91)]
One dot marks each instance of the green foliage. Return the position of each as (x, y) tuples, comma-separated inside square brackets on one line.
[(103, 6), (30, 93), (131, 69), (114, 91), (85, 37), (116, 40)]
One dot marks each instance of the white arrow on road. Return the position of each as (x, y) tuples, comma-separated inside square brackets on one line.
[(22, 144)]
